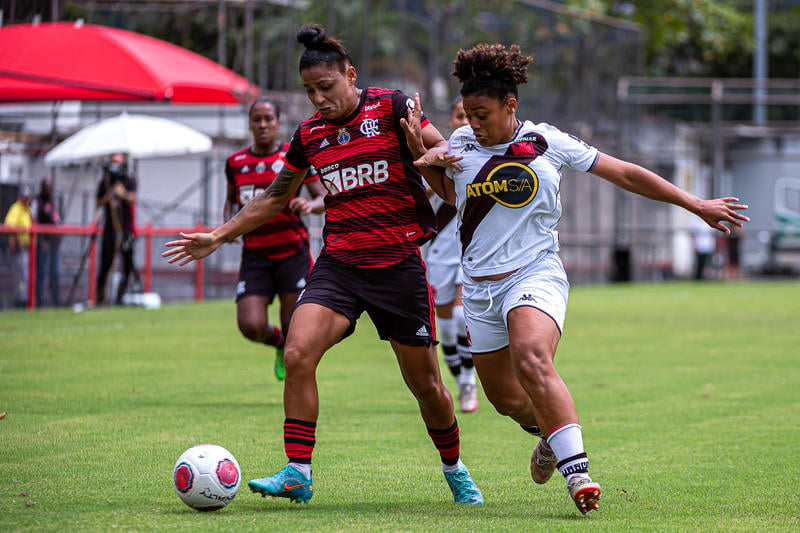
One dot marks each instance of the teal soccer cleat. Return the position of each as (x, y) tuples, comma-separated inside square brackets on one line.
[(464, 488), (286, 483)]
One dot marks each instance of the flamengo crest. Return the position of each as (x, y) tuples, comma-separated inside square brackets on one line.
[(369, 127)]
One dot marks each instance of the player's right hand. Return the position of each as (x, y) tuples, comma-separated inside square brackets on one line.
[(191, 247)]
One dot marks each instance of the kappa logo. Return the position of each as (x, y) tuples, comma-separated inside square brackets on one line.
[(527, 298), (369, 127), (469, 147), (422, 331), (324, 143)]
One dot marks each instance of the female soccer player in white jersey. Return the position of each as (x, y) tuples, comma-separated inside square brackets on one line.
[(503, 175)]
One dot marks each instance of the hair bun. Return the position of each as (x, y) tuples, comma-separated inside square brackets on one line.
[(311, 36)]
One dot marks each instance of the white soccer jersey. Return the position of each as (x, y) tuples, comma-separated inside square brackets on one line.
[(508, 195), (444, 249)]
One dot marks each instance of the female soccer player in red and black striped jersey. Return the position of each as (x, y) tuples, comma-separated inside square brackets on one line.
[(276, 258), (377, 216)]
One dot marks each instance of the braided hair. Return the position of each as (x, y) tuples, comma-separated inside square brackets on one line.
[(491, 70), (321, 49)]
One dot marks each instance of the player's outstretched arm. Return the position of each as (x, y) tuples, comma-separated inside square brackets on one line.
[(639, 180), (257, 211)]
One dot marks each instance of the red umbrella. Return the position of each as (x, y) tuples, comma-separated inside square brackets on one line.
[(74, 61)]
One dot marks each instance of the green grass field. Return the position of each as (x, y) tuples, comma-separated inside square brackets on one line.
[(689, 396)]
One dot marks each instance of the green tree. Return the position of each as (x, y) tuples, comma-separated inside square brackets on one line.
[(686, 37)]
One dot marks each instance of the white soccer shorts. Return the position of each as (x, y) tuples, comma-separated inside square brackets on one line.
[(541, 284), (443, 279)]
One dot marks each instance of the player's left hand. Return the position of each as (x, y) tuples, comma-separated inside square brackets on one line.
[(719, 210), (439, 158)]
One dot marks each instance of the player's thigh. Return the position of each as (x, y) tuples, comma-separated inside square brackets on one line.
[(418, 364), (288, 302), (313, 330), (533, 336), (251, 311), (499, 381)]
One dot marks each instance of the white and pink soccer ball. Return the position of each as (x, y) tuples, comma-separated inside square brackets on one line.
[(206, 477)]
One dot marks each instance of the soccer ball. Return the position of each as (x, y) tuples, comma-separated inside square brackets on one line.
[(206, 477)]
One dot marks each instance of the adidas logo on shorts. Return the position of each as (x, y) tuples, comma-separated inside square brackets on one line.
[(422, 332)]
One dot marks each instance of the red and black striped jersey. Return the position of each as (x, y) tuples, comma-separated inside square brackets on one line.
[(248, 175), (376, 209)]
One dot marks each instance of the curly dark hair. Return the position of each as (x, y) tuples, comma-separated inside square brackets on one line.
[(491, 70), (321, 49)]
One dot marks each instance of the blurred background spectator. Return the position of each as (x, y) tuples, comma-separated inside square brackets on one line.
[(116, 194), (704, 242), (19, 216), (48, 262)]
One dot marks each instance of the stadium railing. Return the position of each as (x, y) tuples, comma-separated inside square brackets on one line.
[(88, 257)]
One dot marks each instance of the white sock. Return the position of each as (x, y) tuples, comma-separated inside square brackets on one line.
[(447, 331), (567, 444), (467, 376), (452, 468), (303, 468)]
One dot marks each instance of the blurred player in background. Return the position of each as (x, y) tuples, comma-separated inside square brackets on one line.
[(443, 256), (504, 176), (377, 215), (276, 256)]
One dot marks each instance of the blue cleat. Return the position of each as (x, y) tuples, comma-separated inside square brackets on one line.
[(464, 488), (286, 483)]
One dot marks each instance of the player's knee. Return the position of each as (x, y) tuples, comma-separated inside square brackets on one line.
[(534, 363), (511, 406), (427, 389), (297, 363), (251, 330)]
